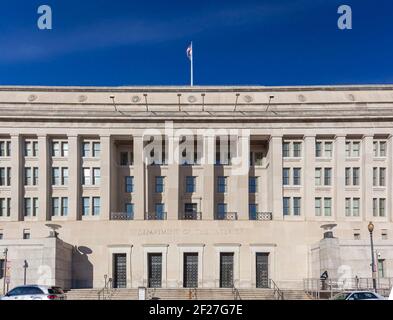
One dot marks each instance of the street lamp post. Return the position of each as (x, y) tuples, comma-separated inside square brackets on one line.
[(373, 269), (25, 266)]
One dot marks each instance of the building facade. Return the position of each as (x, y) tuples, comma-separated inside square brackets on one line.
[(194, 186)]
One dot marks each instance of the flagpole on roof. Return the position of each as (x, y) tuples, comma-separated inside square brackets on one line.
[(190, 56)]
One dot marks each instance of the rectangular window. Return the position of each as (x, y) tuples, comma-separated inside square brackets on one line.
[(85, 206), (318, 178), (96, 149), (35, 176), (356, 207), (86, 181), (124, 158), (221, 184), (382, 177), (297, 149), (381, 207), (286, 206), (328, 207), (27, 207), (86, 149), (129, 183), (286, 149), (375, 177), (348, 207), (253, 184), (64, 176), (2, 176), (3, 207), (5, 148), (35, 148), (28, 178), (382, 148), (318, 149), (328, 176), (252, 211), (318, 209), (375, 207), (348, 176), (96, 176), (64, 149), (347, 149), (8, 176), (96, 206), (159, 184), (8, 207), (285, 176), (375, 148), (55, 176), (190, 184), (296, 206), (356, 176), (221, 210), (129, 209), (55, 149), (160, 211), (297, 176), (35, 207), (64, 206), (355, 149), (55, 207), (328, 149), (26, 234)]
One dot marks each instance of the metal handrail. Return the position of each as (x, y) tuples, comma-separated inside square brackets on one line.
[(156, 216), (191, 215), (226, 216), (262, 216), (278, 294), (105, 292), (122, 216)]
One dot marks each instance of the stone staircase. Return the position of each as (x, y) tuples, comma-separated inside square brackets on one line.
[(186, 294)]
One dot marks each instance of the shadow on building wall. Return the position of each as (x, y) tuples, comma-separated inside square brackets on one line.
[(82, 268)]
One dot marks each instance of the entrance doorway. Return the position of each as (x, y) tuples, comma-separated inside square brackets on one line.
[(226, 269), (262, 269), (190, 270), (119, 270), (154, 261)]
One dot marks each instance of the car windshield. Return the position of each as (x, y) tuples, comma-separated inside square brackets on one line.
[(341, 296)]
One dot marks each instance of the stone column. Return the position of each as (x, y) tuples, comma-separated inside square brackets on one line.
[(16, 177), (389, 179), (74, 181), (339, 178), (241, 172), (275, 177), (173, 195), (209, 182), (139, 179), (309, 178), (44, 181), (366, 178), (106, 181)]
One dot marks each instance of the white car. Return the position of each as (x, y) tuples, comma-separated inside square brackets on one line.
[(358, 295), (35, 292)]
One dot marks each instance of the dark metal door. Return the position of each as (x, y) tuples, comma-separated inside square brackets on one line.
[(120, 270), (155, 269), (262, 269), (190, 270), (226, 270)]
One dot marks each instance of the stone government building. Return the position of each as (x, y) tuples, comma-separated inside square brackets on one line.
[(72, 156)]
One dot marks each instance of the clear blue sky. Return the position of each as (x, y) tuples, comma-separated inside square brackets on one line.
[(272, 42)]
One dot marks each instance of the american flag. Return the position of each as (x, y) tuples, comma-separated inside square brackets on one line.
[(189, 51)]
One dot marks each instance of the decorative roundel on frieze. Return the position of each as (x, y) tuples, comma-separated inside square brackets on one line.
[(82, 98), (135, 99), (248, 99), (32, 97), (192, 99), (301, 98)]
